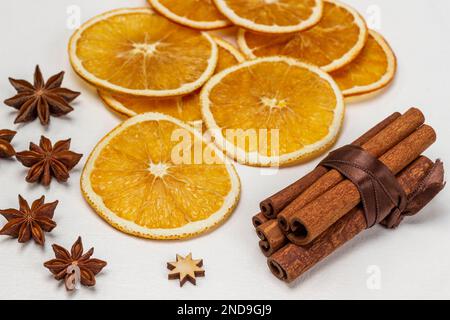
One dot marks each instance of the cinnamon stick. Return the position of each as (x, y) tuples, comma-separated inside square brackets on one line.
[(386, 139), (292, 261), (273, 205), (317, 216), (259, 219), (272, 238)]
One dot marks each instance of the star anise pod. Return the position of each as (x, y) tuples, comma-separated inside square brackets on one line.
[(41, 99), (27, 223), (68, 266), (6, 149), (46, 161)]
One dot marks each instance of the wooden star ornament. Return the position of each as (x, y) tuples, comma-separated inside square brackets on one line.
[(185, 269)]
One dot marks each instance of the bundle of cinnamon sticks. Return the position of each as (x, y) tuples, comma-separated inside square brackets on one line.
[(307, 221)]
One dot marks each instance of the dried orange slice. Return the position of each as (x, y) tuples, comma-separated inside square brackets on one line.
[(197, 14), (331, 44), (138, 52), (272, 111), (372, 70), (146, 181), (228, 55), (272, 16), (186, 108)]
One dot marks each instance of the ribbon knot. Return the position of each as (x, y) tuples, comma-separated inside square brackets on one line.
[(383, 199), (428, 188)]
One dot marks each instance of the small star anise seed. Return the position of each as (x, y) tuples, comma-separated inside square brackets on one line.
[(46, 161), (27, 223), (62, 267), (6, 149), (41, 99)]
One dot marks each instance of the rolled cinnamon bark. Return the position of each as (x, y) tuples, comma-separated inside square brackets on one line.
[(272, 238), (386, 139), (273, 205), (292, 261), (259, 219), (317, 216)]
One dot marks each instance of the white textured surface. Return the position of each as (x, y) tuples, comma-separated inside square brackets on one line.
[(414, 260)]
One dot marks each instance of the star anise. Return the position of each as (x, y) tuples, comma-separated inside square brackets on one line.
[(6, 149), (41, 99), (46, 161), (69, 266), (27, 223)]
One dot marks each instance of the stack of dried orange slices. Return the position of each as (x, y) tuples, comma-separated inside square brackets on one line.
[(158, 177), (359, 60), (154, 176)]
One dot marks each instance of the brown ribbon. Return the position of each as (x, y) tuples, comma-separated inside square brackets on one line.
[(383, 199), (429, 187)]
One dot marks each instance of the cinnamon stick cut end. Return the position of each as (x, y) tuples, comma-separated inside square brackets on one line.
[(259, 219), (289, 262), (284, 224), (277, 270), (267, 209), (417, 113), (265, 248), (300, 234), (272, 238)]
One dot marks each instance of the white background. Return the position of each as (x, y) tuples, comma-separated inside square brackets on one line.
[(414, 261)]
